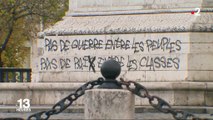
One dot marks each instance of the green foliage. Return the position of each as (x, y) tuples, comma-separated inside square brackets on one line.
[(22, 18), (16, 51)]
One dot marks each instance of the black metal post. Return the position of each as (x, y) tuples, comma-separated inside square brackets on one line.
[(110, 70)]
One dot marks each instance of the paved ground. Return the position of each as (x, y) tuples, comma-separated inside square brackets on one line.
[(76, 113), (78, 116)]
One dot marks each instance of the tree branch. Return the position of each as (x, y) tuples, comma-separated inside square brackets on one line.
[(3, 47)]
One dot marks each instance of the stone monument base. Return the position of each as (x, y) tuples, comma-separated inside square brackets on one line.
[(175, 93)]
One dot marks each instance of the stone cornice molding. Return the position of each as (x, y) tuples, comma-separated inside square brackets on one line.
[(127, 24)]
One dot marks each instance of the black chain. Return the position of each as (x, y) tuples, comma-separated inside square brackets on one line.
[(134, 87), (157, 102), (66, 102)]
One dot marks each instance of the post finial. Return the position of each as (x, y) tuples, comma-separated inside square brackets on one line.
[(110, 70)]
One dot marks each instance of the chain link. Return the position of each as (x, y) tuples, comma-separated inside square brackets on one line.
[(134, 87), (66, 102), (157, 102)]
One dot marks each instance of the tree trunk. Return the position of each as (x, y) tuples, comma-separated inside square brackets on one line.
[(1, 63), (6, 40), (3, 47)]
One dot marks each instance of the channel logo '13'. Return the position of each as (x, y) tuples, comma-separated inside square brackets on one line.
[(23, 105)]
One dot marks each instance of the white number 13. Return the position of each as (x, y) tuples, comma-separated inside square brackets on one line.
[(25, 103)]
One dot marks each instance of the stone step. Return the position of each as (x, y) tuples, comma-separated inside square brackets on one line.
[(191, 109), (80, 116), (77, 112), (138, 109)]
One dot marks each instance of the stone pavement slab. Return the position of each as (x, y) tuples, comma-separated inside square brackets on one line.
[(80, 116)]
